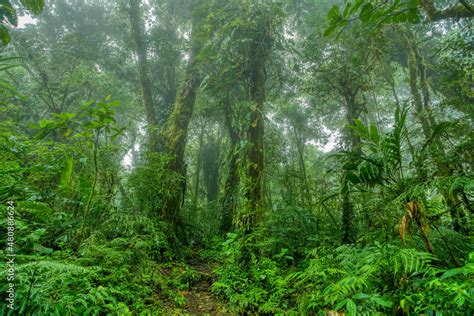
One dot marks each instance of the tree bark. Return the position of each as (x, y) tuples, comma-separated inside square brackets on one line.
[(305, 193), (420, 113), (169, 61), (462, 10), (197, 178), (229, 198), (137, 34), (211, 169), (253, 186), (176, 131), (352, 113), (347, 218), (417, 68)]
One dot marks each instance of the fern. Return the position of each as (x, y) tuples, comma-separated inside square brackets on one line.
[(337, 279)]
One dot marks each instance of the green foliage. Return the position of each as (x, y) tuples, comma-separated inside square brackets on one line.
[(372, 14), (288, 232), (34, 6), (259, 287), (66, 173), (115, 270), (367, 276), (376, 279), (93, 235), (382, 164), (62, 268), (152, 183), (8, 15)]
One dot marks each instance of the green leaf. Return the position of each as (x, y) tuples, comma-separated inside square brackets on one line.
[(43, 123), (361, 296), (399, 18), (64, 116), (340, 304), (333, 14), (366, 12), (374, 133), (413, 16), (467, 269), (6, 67), (42, 249), (4, 35), (352, 178), (334, 18), (355, 6), (204, 54), (34, 6), (360, 128), (66, 173), (37, 234), (382, 302), (351, 308), (114, 104), (8, 12), (330, 29)]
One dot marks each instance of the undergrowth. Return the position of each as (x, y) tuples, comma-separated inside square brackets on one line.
[(379, 278)]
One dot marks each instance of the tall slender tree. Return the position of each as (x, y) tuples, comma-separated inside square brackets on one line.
[(137, 33), (176, 129)]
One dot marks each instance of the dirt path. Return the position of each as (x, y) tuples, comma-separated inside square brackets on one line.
[(200, 299)]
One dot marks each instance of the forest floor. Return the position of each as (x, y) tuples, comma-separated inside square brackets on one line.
[(200, 299)]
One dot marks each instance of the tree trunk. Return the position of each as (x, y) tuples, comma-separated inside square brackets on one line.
[(253, 187), (416, 67), (197, 178), (347, 218), (305, 193), (211, 169), (137, 33), (169, 62), (253, 183), (176, 131), (229, 198), (417, 100), (462, 10), (353, 140)]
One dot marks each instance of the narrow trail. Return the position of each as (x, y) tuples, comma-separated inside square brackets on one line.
[(200, 299)]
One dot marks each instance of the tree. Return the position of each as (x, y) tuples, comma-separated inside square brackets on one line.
[(175, 132), (344, 78), (137, 33)]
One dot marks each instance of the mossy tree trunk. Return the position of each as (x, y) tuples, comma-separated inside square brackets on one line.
[(461, 10), (229, 198), (137, 34), (305, 193), (176, 131), (418, 80), (197, 175), (353, 143), (210, 168), (253, 185)]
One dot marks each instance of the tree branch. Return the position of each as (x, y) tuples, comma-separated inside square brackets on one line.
[(458, 11)]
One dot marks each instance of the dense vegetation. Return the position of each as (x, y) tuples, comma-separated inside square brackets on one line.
[(237, 156)]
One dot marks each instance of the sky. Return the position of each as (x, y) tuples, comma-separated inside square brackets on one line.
[(26, 19)]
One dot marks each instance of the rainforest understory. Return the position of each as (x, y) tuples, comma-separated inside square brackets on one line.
[(236, 157)]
